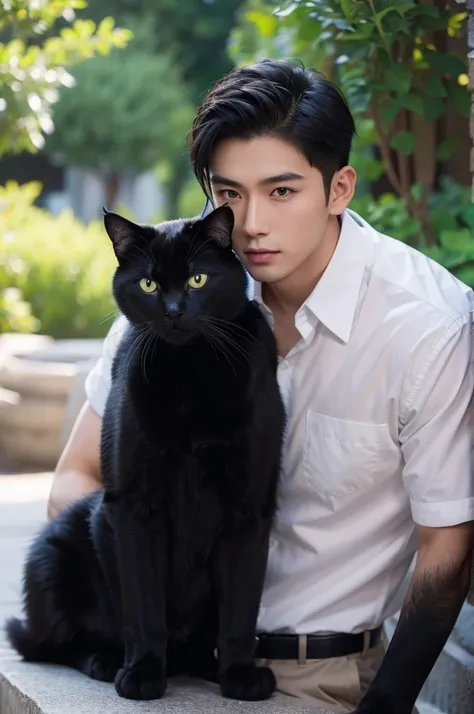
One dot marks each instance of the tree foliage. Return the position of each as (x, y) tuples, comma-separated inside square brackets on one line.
[(34, 63), (192, 36), (35, 56), (195, 34), (127, 111)]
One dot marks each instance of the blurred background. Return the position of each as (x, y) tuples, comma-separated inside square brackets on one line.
[(96, 101)]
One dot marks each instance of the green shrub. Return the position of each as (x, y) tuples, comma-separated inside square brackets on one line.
[(452, 215), (15, 312), (58, 265), (192, 199)]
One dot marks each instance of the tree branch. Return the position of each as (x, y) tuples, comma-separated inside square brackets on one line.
[(403, 159), (384, 146)]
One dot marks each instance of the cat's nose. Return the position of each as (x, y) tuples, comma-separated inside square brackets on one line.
[(173, 306), (173, 313)]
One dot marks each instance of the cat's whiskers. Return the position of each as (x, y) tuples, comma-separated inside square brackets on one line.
[(131, 351), (224, 331), (150, 340), (224, 339), (230, 348), (113, 314), (136, 344), (148, 257), (214, 340), (155, 342), (232, 343), (143, 360), (190, 247), (192, 253), (138, 328), (245, 334), (209, 339), (198, 250)]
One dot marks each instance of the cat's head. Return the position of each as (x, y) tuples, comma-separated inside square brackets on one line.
[(178, 277)]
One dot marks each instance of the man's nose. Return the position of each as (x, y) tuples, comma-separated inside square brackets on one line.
[(255, 223)]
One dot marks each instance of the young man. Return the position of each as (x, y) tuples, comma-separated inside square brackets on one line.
[(375, 345)]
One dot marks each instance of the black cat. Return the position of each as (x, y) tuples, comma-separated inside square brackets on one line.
[(164, 566)]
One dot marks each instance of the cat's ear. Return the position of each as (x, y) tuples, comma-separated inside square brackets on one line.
[(219, 225), (122, 232)]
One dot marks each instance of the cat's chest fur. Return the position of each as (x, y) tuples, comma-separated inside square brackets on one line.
[(190, 409), (194, 406), (183, 396)]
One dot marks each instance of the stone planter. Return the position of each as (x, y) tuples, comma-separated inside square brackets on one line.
[(35, 385)]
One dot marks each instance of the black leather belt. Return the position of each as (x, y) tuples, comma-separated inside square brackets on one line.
[(270, 646)]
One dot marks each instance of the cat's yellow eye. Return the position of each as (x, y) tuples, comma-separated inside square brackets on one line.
[(197, 281), (148, 285)]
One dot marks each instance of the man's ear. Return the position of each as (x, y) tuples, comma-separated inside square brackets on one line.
[(122, 232), (219, 225)]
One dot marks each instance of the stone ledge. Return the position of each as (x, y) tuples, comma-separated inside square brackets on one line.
[(47, 689), (449, 688)]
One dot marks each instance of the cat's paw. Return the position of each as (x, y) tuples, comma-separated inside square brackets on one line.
[(248, 682), (145, 682), (103, 666)]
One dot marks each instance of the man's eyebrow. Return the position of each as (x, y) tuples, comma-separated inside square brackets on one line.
[(279, 178), (282, 178), (217, 178)]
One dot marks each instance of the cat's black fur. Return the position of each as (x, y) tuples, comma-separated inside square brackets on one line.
[(145, 578)]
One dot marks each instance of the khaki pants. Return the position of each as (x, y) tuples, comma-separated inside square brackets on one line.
[(335, 684)]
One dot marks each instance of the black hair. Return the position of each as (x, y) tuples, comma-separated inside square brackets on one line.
[(275, 98)]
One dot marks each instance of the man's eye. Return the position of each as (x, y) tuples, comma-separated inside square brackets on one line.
[(230, 193), (282, 191)]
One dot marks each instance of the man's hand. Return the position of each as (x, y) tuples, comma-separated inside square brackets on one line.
[(438, 589)]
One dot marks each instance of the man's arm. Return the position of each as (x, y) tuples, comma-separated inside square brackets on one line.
[(436, 439), (78, 469), (437, 591)]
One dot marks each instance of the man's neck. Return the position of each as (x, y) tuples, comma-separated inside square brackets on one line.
[(287, 296)]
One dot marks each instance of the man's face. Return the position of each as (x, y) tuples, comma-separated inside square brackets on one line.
[(279, 203)]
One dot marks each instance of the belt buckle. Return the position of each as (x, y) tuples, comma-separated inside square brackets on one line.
[(302, 649), (366, 635)]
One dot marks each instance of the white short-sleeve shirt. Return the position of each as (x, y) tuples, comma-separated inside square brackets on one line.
[(379, 436)]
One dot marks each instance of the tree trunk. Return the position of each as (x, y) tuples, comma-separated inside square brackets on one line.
[(175, 185), (112, 186)]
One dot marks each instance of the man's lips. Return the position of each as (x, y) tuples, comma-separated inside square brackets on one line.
[(261, 255)]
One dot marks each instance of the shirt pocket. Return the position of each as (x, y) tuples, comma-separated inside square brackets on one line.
[(343, 458)]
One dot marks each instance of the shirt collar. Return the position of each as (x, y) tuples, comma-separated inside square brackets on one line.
[(334, 299)]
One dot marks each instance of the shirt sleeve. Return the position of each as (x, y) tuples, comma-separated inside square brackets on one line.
[(97, 384), (436, 433)]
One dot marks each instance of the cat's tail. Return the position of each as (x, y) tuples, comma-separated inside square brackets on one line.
[(21, 639)]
